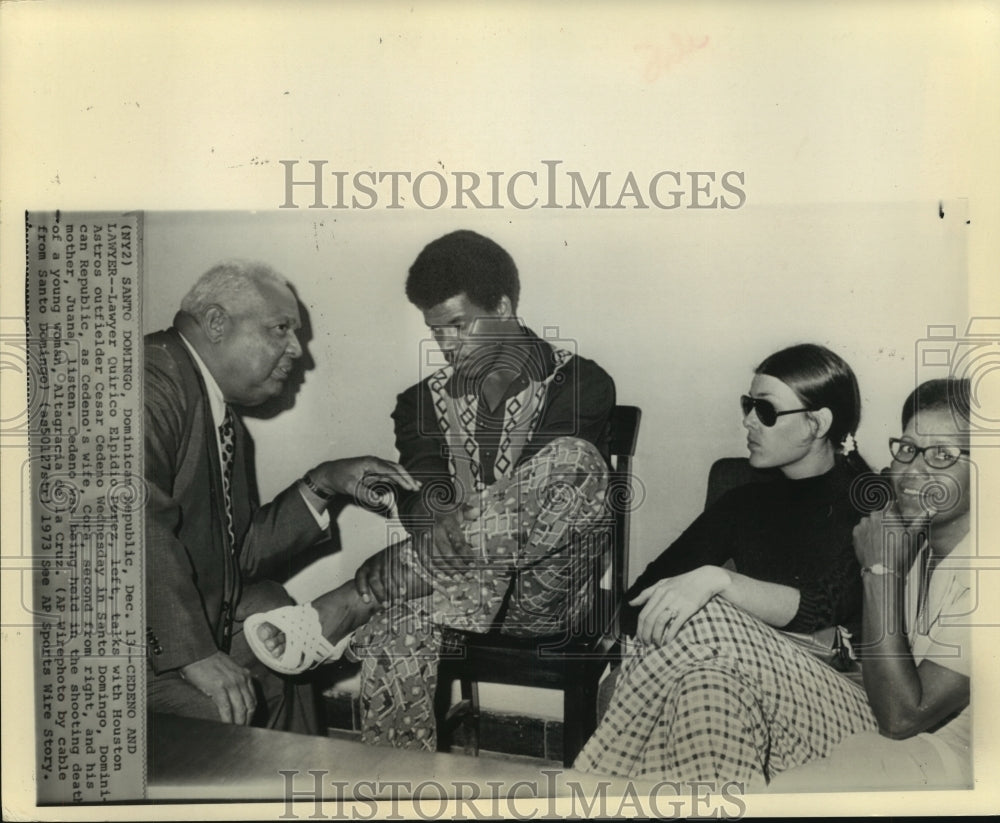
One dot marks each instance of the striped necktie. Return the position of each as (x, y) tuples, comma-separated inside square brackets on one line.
[(227, 438)]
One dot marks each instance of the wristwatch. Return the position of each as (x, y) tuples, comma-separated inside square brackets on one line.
[(320, 493), (878, 569)]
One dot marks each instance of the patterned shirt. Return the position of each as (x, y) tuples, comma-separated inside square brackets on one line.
[(449, 439)]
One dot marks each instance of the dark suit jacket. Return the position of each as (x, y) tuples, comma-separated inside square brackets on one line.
[(193, 575)]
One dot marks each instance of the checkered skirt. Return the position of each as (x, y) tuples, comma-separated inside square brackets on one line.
[(729, 698)]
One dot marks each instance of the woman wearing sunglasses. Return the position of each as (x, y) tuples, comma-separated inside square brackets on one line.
[(790, 542), (729, 698)]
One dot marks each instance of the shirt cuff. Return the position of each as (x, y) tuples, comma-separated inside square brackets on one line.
[(322, 518)]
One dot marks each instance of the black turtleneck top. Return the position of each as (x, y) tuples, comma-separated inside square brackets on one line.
[(793, 532)]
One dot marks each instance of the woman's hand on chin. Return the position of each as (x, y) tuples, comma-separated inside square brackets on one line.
[(890, 539)]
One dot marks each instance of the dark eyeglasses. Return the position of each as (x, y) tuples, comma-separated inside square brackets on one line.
[(937, 457), (766, 413)]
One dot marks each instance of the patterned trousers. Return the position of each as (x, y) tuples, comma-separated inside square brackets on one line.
[(729, 698), (540, 528)]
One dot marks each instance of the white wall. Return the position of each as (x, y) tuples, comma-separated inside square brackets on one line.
[(678, 306)]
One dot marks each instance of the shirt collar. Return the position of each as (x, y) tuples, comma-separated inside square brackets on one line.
[(533, 356), (216, 399), (957, 559)]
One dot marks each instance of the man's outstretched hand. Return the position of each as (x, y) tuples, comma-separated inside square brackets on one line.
[(363, 478)]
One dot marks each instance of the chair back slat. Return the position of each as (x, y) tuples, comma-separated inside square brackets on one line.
[(625, 430), (622, 495)]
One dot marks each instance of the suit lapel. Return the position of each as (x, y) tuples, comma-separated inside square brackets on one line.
[(197, 396)]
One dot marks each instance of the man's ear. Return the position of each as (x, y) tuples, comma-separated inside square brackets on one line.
[(214, 321), (821, 420), (505, 308)]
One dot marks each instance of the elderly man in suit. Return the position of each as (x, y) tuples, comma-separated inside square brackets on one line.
[(209, 546)]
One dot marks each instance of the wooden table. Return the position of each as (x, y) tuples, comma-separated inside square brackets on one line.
[(198, 760)]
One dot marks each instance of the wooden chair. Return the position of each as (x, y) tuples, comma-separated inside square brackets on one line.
[(573, 663)]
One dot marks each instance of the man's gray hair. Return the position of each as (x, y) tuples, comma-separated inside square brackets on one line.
[(226, 284)]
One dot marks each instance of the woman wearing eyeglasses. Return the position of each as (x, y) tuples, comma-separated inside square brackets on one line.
[(917, 601), (728, 698)]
